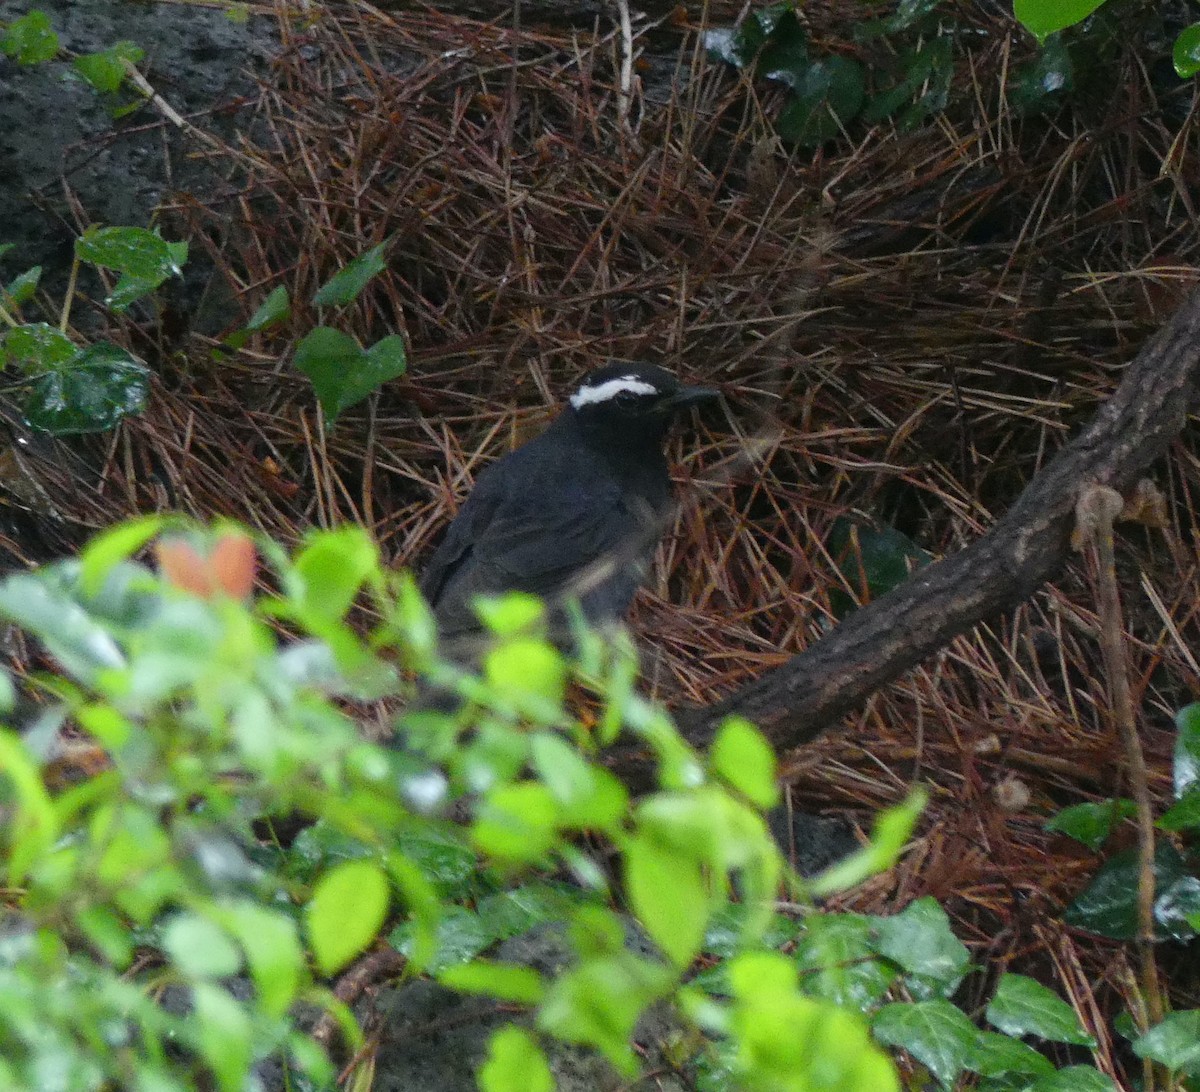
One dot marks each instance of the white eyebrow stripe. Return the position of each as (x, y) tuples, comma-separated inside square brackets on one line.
[(587, 396)]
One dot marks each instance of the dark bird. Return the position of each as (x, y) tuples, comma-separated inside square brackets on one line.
[(577, 511)]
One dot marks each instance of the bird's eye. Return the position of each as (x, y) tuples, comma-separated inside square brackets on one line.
[(626, 398)]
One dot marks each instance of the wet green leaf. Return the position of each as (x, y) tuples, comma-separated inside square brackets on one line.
[(1091, 824), (1023, 1006), (1043, 17), (1108, 906), (274, 309), (1186, 53), (998, 1055), (838, 961), (93, 392), (1074, 1078), (342, 374), (143, 258), (1175, 1042), (920, 941), (21, 288), (827, 95), (1184, 814), (936, 1033), (345, 285), (37, 346), (872, 562), (1187, 749)]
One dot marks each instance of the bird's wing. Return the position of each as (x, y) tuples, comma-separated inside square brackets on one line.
[(499, 544)]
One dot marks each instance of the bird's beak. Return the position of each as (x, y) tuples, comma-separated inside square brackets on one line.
[(686, 397)]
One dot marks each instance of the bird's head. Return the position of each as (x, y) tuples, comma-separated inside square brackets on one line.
[(633, 400)]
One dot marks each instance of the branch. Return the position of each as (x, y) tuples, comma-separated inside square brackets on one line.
[(794, 703)]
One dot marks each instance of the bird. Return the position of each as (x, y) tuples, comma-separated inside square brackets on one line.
[(574, 513)]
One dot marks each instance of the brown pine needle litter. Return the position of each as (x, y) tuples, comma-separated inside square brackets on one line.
[(904, 325)]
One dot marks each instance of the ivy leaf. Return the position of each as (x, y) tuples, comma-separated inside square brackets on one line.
[(999, 1055), (828, 94), (1187, 749), (1108, 906), (106, 70), (342, 374), (1091, 824), (1023, 1006), (1074, 1078), (1175, 1042), (935, 1033), (275, 308), (93, 392), (346, 284), (920, 940), (838, 961)]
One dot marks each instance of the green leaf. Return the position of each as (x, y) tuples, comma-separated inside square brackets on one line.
[(21, 288), (935, 1033), (589, 797), (1187, 749), (273, 951), (1108, 906), (111, 547), (872, 562), (999, 1055), (1023, 1006), (1186, 53), (93, 392), (838, 962), (37, 346), (221, 1028), (920, 940), (515, 1063), (1074, 1078), (30, 39), (742, 756), (1175, 1042), (143, 258), (1042, 79), (510, 913), (34, 827), (516, 822), (106, 70), (1177, 909), (528, 671), (345, 285), (1184, 814), (199, 948), (460, 935), (332, 568), (669, 896), (512, 982), (1044, 17), (1091, 824), (274, 309), (70, 634), (828, 95), (346, 911), (341, 373), (511, 614), (893, 828)]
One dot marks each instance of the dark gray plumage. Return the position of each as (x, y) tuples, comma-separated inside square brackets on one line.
[(576, 511)]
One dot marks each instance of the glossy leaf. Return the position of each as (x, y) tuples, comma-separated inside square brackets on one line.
[(274, 309), (21, 288), (1108, 906), (460, 935), (1074, 1078), (1023, 1006), (143, 258), (1175, 1042), (920, 941), (838, 961), (1187, 749), (342, 374), (30, 39), (827, 96), (998, 1055), (346, 284), (935, 1033), (346, 911), (37, 347), (1184, 814), (1043, 17), (1186, 52), (93, 392), (1091, 823)]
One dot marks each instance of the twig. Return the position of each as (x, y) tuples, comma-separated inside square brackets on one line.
[(1099, 506)]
